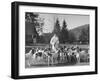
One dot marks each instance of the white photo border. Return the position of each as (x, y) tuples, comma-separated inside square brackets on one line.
[(54, 70)]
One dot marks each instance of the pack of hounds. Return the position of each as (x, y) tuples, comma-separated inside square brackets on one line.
[(63, 55)]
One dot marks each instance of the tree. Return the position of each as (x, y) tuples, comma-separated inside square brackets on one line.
[(31, 17), (88, 34), (84, 36), (57, 28), (64, 33), (32, 24), (72, 38), (39, 27)]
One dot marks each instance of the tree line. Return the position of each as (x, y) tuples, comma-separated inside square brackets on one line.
[(65, 36)]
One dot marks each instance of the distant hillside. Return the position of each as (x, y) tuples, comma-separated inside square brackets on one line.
[(77, 30)]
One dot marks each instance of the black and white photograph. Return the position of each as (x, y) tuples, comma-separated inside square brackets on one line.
[(54, 39), (51, 40)]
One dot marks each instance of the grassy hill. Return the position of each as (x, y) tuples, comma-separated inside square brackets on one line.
[(77, 31)]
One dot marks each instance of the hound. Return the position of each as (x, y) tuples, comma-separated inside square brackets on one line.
[(28, 58)]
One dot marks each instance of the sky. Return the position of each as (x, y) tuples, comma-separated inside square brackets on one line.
[(72, 20)]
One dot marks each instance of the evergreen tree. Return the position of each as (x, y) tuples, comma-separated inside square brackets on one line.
[(57, 28), (64, 33)]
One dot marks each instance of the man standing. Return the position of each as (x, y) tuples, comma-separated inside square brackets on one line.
[(54, 42)]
